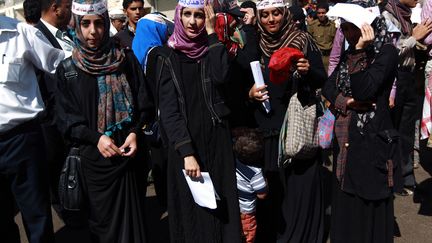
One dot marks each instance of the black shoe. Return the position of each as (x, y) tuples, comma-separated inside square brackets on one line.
[(405, 192)]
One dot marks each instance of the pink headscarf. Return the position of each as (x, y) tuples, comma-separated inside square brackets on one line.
[(194, 48)]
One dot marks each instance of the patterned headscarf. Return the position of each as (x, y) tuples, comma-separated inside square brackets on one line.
[(402, 14), (194, 48), (115, 96), (287, 36)]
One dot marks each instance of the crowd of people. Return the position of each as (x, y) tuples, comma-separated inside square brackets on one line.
[(139, 94)]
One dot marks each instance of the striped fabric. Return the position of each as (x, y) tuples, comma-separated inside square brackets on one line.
[(426, 122), (250, 181)]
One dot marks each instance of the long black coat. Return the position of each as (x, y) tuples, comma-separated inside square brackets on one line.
[(191, 129), (113, 186), (366, 174)]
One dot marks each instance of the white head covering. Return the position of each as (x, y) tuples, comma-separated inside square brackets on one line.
[(354, 13), (80, 7), (117, 14), (192, 3), (155, 18), (270, 4)]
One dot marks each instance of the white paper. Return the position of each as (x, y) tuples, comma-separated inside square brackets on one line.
[(259, 81), (202, 190), (353, 13)]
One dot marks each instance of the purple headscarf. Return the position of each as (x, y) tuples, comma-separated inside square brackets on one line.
[(194, 48)]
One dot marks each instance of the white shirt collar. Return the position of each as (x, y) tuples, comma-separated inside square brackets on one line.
[(67, 48), (50, 27)]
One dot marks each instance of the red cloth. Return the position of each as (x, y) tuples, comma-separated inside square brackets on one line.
[(249, 226), (282, 64), (225, 27)]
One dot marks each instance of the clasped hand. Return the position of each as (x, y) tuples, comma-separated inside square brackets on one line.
[(108, 149)]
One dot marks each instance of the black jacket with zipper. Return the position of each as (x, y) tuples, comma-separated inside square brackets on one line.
[(213, 69)]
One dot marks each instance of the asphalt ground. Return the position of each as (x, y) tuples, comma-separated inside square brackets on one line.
[(413, 215)]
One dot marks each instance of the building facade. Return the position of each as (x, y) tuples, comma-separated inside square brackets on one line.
[(14, 8)]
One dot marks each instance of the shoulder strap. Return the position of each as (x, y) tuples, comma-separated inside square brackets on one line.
[(45, 31), (165, 58)]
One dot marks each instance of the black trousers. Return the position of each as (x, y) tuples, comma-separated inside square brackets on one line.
[(405, 114), (55, 157), (23, 180), (159, 159)]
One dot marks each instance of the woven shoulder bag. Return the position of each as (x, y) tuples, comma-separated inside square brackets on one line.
[(298, 137)]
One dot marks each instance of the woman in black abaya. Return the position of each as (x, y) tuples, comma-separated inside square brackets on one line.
[(365, 162), (295, 191), (193, 116), (99, 113)]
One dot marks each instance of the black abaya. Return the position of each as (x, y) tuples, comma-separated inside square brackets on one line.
[(114, 190), (300, 198), (208, 141), (358, 220), (362, 204), (303, 203)]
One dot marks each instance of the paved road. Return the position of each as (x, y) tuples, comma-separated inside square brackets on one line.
[(413, 216)]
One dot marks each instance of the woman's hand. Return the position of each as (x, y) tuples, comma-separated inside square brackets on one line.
[(391, 102), (249, 17), (107, 147), (309, 19), (366, 38), (422, 30), (129, 148), (210, 20), (258, 94), (303, 66), (192, 167)]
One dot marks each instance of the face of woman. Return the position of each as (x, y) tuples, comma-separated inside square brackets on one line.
[(271, 19), (92, 29), (351, 32), (193, 20)]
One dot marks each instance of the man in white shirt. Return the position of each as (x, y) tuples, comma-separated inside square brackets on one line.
[(22, 49), (53, 24), (55, 17)]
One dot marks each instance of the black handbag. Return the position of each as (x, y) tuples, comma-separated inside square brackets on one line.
[(70, 187)]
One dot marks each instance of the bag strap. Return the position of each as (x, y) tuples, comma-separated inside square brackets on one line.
[(165, 57), (160, 64), (296, 77), (74, 151)]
